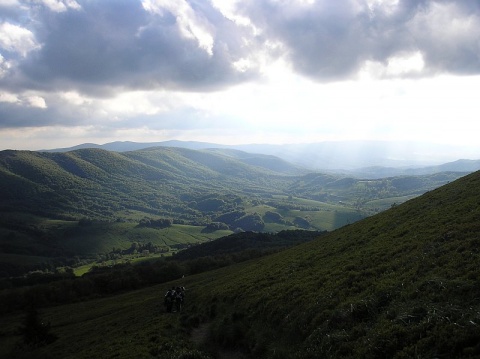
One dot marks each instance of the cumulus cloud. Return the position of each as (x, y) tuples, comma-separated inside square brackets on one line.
[(77, 62), (107, 45), (199, 46), (332, 40), (191, 25), (14, 38)]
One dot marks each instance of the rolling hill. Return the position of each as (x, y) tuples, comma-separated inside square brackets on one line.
[(48, 197), (399, 284), (375, 159), (180, 183), (99, 183)]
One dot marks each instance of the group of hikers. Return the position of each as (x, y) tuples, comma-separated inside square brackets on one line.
[(174, 299)]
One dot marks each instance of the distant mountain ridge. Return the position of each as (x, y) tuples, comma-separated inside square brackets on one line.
[(359, 158), (462, 165)]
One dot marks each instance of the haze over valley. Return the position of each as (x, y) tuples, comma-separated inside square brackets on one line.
[(394, 157)]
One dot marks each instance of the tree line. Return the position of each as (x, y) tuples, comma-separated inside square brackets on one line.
[(60, 288)]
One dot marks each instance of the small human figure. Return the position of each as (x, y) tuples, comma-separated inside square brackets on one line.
[(169, 299), (179, 296)]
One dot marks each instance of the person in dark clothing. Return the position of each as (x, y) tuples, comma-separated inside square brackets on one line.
[(169, 299), (179, 296)]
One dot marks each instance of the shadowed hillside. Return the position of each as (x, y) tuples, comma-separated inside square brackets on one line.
[(400, 284)]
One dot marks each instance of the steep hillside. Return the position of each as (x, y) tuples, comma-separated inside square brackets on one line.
[(400, 284), (236, 244)]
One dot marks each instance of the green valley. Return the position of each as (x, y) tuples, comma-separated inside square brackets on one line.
[(400, 284), (63, 209)]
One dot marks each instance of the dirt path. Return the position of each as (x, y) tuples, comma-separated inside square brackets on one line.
[(200, 335)]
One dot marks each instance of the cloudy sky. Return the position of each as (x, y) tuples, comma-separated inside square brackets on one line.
[(247, 71)]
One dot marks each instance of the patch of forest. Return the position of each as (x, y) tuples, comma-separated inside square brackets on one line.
[(60, 287)]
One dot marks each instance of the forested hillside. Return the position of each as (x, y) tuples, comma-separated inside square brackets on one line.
[(160, 181), (399, 284), (67, 208), (181, 184)]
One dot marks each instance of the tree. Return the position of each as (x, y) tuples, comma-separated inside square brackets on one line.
[(273, 217), (301, 222)]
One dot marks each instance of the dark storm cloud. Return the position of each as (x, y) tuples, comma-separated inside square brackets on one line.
[(331, 40), (107, 45)]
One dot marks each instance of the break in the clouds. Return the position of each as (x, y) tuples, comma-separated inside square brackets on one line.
[(190, 65)]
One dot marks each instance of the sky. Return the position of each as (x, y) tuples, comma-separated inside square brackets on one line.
[(238, 72)]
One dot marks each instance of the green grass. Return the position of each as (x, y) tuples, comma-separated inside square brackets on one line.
[(45, 194), (81, 270), (327, 216), (103, 237), (385, 203), (131, 325), (401, 284)]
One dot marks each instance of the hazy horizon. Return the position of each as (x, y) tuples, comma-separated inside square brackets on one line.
[(326, 155), (239, 72)]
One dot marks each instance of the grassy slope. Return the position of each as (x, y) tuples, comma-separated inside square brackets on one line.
[(102, 237), (403, 283), (400, 284), (31, 241), (131, 325)]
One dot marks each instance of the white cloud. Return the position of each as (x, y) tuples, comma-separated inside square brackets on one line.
[(35, 101), (448, 35), (26, 100), (17, 39), (406, 65), (131, 104), (59, 5), (191, 24), (388, 6), (228, 8), (75, 98), (8, 97), (4, 66), (239, 70)]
